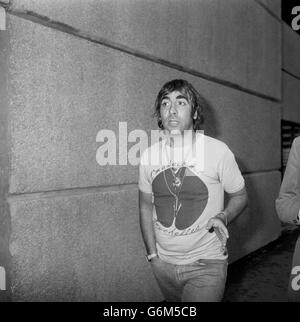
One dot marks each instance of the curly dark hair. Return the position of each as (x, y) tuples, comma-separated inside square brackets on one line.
[(198, 103)]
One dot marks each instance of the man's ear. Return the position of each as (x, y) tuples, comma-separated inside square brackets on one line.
[(195, 115)]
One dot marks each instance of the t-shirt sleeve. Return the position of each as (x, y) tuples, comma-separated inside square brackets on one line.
[(229, 173), (145, 184)]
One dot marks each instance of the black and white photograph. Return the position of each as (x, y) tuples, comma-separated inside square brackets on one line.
[(149, 153)]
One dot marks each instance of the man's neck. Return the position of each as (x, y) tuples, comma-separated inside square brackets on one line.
[(181, 140)]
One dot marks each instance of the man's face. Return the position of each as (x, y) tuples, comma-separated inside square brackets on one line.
[(175, 112)]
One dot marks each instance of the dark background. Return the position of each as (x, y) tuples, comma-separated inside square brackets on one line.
[(286, 12)]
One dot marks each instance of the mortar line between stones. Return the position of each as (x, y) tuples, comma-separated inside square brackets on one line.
[(290, 27), (47, 22), (62, 193), (291, 74), (268, 10), (248, 173)]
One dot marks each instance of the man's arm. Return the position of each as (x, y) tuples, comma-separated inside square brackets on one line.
[(236, 204), (146, 221), (288, 201)]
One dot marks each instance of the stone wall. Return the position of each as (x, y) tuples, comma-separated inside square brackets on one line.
[(75, 67), (291, 75)]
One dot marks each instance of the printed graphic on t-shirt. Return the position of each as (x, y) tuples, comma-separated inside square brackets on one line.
[(180, 198)]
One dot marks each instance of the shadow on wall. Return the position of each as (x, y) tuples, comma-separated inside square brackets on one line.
[(253, 228), (242, 230), (211, 123), (247, 230)]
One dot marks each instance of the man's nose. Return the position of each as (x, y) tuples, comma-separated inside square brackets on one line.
[(173, 108)]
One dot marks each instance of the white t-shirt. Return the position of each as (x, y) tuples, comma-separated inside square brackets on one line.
[(186, 197)]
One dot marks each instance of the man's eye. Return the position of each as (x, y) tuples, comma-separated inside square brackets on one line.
[(164, 103), (182, 103)]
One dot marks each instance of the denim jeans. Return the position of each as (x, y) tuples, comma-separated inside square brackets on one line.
[(201, 281)]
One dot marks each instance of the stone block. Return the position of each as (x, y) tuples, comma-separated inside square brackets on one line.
[(4, 169), (84, 247), (59, 102), (273, 5), (291, 98), (217, 38), (291, 50), (88, 247)]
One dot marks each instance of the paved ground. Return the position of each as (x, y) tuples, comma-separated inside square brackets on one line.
[(263, 275)]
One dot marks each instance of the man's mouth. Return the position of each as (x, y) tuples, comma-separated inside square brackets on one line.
[(173, 122)]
